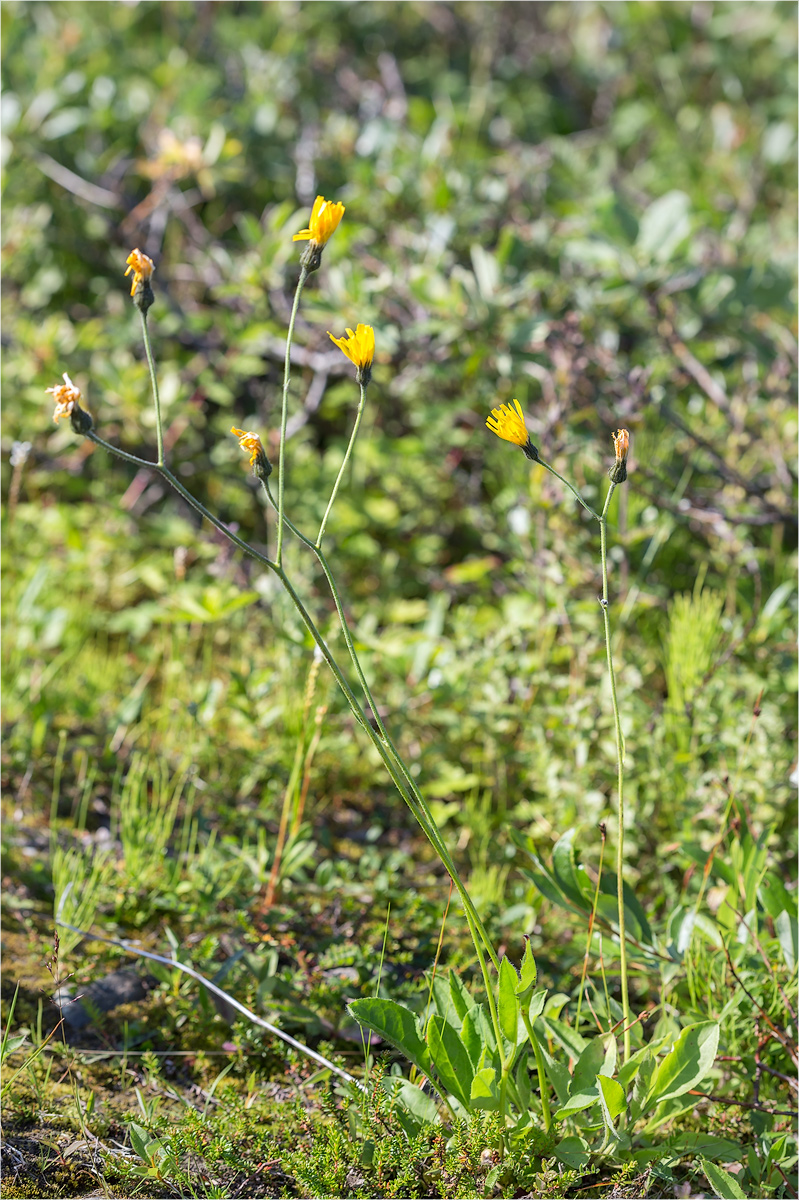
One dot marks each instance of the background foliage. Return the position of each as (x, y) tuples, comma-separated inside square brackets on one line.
[(588, 207)]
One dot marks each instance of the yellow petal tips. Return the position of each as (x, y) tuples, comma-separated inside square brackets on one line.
[(507, 422), (359, 347)]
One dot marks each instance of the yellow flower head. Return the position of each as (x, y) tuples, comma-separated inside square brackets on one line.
[(325, 217), (621, 444), (508, 424), (359, 348), (252, 444), (142, 268), (66, 396)]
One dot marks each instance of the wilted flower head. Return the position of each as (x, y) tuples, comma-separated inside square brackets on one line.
[(621, 444), (251, 442), (67, 399), (142, 268), (66, 396), (359, 348), (508, 423)]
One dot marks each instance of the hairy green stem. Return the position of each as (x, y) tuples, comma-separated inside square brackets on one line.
[(159, 428), (571, 488), (625, 995), (123, 454), (281, 479), (343, 466)]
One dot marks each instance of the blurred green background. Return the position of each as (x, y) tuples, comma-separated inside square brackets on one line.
[(590, 207)]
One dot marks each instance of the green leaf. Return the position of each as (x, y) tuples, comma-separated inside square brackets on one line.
[(414, 1108), (139, 1140), (557, 1074), (687, 1063), (578, 1102), (527, 974), (484, 1091), (694, 1143), (587, 1066), (450, 1059), (565, 1036), (611, 1097), (775, 897), (508, 1006), (785, 926), (461, 999), (565, 871), (724, 1185), (537, 1002), (471, 1036), (636, 920), (523, 1083), (664, 226), (573, 1152), (477, 1036), (642, 1085), (599, 1056), (396, 1025)]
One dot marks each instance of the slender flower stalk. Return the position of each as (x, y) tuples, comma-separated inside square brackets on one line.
[(625, 994), (159, 427), (281, 468), (343, 467), (359, 347), (508, 423)]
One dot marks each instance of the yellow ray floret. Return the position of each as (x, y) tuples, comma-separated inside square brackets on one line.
[(142, 268), (508, 423), (359, 346), (325, 217), (249, 442), (66, 396)]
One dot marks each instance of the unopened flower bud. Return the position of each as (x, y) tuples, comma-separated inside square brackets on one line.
[(621, 444)]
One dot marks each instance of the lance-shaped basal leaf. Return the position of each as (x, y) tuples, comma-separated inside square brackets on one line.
[(396, 1025), (598, 1058), (611, 1102), (450, 1059), (687, 1063), (725, 1186)]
